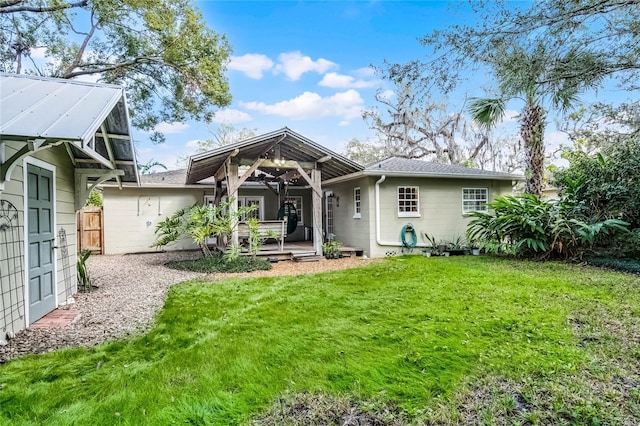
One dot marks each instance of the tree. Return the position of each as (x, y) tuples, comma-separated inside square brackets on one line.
[(365, 152), (171, 65), (520, 73), (145, 169), (223, 134), (412, 125)]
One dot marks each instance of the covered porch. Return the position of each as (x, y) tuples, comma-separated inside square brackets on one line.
[(299, 251), (280, 163)]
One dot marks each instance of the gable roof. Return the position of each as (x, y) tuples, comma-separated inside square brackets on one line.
[(93, 119), (291, 145), (405, 167)]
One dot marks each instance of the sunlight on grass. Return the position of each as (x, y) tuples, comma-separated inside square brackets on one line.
[(409, 331)]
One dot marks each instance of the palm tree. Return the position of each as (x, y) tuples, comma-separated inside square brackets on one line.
[(537, 77)]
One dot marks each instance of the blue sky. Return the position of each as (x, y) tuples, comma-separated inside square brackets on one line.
[(305, 65)]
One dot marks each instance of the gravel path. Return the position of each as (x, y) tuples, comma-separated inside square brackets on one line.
[(131, 289)]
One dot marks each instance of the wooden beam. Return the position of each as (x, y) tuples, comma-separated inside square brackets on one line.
[(221, 169), (316, 203), (268, 185), (245, 175), (316, 188), (232, 178), (279, 164), (112, 158), (290, 175)]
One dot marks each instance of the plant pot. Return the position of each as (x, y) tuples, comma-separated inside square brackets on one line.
[(426, 254), (475, 251), (445, 254)]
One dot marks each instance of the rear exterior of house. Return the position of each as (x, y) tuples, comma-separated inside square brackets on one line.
[(365, 208), (132, 214), (58, 139), (370, 209)]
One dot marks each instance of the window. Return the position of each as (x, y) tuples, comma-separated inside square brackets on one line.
[(408, 201), (474, 200), (356, 203), (296, 200), (252, 201)]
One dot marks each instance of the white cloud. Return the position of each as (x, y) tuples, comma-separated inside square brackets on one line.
[(365, 72), (293, 64), (38, 52), (193, 143), (231, 116), (387, 94), (344, 123), (171, 128), (341, 81), (347, 105), (253, 65)]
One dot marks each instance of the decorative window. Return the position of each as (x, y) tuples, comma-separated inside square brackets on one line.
[(296, 200), (356, 203), (408, 201), (252, 201), (475, 200)]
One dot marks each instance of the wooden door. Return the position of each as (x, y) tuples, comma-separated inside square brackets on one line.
[(90, 229)]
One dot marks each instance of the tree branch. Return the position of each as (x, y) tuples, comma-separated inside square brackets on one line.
[(10, 6)]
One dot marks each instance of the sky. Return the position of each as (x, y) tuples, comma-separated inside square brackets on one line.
[(307, 66)]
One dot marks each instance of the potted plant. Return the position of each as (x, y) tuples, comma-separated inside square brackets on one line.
[(432, 245), (455, 247), (332, 249)]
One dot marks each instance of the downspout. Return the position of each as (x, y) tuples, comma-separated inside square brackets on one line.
[(378, 238)]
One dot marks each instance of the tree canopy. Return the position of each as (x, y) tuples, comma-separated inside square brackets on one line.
[(170, 63)]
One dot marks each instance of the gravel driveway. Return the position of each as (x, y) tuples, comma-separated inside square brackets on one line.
[(131, 289)]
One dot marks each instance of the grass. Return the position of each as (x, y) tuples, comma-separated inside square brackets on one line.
[(438, 340)]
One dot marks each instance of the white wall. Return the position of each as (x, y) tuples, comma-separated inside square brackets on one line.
[(131, 216)]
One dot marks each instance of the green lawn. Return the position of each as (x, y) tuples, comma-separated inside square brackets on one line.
[(443, 340)]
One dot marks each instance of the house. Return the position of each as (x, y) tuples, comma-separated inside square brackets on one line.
[(363, 207), (58, 140)]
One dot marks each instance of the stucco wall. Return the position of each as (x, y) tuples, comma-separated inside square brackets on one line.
[(131, 216), (66, 282), (353, 231), (440, 210)]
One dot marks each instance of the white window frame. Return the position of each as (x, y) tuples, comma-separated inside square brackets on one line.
[(466, 210), (297, 201), (357, 203), (411, 213), (242, 202)]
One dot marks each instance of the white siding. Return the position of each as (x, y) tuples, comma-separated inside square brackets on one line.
[(65, 219)]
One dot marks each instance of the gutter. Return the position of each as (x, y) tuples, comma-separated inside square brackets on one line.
[(378, 237)]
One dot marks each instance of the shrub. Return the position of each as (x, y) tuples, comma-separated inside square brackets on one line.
[(626, 245), (84, 281), (219, 263), (526, 226)]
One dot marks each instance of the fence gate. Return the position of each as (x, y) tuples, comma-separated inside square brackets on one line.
[(91, 229)]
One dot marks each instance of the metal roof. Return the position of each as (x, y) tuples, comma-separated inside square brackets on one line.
[(92, 118), (289, 144)]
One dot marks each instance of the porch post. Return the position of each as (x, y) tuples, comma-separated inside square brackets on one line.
[(316, 198), (232, 180)]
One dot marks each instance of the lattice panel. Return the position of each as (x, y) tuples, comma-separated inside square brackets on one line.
[(11, 268)]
